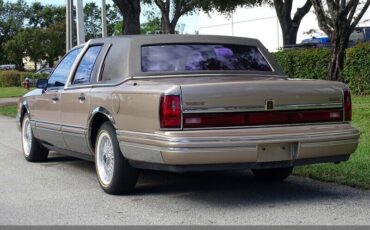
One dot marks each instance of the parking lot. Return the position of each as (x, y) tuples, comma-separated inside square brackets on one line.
[(65, 190)]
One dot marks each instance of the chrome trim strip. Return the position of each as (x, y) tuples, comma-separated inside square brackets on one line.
[(265, 126), (76, 64), (166, 140), (73, 129), (264, 74), (262, 108), (47, 125)]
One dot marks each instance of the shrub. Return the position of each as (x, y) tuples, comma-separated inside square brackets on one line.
[(304, 63), (10, 78), (15, 78), (313, 64), (357, 68)]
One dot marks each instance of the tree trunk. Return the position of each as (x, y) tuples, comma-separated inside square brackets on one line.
[(51, 63), (130, 10), (289, 35), (167, 28), (339, 45)]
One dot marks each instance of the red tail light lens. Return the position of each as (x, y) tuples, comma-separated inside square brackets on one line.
[(170, 111), (261, 118), (347, 105)]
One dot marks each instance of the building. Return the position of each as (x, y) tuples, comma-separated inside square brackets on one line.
[(263, 24)]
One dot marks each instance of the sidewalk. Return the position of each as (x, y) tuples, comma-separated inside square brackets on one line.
[(9, 101)]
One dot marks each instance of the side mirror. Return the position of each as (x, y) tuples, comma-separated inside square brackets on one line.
[(42, 83)]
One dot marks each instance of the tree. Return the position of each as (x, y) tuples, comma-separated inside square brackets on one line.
[(43, 16), (12, 17), (289, 25), (172, 10), (92, 20), (130, 10), (338, 19), (54, 47), (283, 8), (151, 26), (113, 18), (14, 50), (34, 44)]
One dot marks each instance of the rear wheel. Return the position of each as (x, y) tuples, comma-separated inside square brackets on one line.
[(33, 151), (274, 174), (116, 176)]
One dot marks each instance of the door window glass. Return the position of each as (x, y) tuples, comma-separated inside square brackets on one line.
[(85, 68), (60, 74)]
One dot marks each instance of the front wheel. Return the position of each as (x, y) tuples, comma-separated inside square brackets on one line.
[(116, 176), (274, 174), (33, 151)]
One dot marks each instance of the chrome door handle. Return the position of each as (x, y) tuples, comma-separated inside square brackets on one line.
[(82, 97), (55, 98)]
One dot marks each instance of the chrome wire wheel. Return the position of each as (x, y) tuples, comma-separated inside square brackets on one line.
[(26, 136), (105, 157)]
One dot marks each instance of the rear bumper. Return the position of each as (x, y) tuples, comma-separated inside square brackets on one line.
[(251, 147)]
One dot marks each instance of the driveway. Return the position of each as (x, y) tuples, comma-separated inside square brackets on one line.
[(65, 190)]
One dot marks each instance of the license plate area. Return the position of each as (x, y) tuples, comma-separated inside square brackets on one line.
[(275, 152)]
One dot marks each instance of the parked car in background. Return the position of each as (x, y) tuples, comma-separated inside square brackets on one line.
[(360, 34), (31, 78), (7, 67), (183, 103), (45, 71)]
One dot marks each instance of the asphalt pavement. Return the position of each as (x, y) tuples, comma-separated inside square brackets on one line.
[(65, 191)]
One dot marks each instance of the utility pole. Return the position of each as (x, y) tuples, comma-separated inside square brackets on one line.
[(69, 21), (80, 22), (104, 32)]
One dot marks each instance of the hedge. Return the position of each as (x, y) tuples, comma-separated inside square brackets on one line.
[(11, 78), (313, 64), (357, 68)]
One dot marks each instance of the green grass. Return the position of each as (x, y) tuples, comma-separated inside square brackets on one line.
[(8, 110), (356, 171), (6, 92)]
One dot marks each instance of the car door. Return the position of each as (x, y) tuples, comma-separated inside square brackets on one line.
[(46, 109), (75, 107)]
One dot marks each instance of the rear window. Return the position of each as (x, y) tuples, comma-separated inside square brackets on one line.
[(202, 57)]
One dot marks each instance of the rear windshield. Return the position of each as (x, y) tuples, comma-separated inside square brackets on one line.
[(202, 57)]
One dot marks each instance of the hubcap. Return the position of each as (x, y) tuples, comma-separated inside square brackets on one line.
[(26, 137), (105, 158)]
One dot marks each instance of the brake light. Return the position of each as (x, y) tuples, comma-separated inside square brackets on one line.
[(170, 111), (347, 105), (261, 118)]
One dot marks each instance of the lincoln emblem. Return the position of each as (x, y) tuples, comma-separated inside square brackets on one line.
[(269, 104)]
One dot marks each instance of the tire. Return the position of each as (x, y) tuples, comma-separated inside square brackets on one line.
[(33, 151), (274, 174), (116, 176)]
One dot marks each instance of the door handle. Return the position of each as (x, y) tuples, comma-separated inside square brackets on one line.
[(55, 98), (82, 97)]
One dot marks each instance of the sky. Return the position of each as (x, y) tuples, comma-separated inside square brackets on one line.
[(191, 21)]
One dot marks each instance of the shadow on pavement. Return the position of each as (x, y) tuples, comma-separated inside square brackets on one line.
[(232, 188), (221, 188)]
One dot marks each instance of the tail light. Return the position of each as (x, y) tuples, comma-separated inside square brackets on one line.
[(347, 105), (261, 118), (170, 111)]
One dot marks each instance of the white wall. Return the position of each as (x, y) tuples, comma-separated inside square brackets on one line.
[(260, 23)]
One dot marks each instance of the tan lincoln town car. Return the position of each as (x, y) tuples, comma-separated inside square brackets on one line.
[(183, 103)]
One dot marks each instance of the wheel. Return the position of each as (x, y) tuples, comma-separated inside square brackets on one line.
[(116, 176), (33, 151), (274, 174)]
